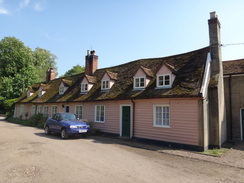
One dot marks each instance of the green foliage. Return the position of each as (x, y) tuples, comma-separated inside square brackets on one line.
[(75, 70), (36, 120), (43, 59), (9, 107), (20, 67)]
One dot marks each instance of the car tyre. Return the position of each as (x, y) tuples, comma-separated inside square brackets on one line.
[(64, 134), (47, 130)]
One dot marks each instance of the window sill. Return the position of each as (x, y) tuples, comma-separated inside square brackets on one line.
[(163, 87), (138, 89), (99, 122), (161, 126)]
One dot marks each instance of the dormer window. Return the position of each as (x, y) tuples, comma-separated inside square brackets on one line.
[(105, 85), (165, 76), (142, 77), (61, 90), (84, 87), (164, 80), (139, 82), (108, 80), (39, 92), (28, 93), (87, 83)]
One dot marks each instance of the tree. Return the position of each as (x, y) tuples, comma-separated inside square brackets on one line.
[(43, 59), (14, 56), (75, 70), (20, 67)]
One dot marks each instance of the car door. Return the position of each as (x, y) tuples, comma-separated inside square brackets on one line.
[(58, 123), (53, 123)]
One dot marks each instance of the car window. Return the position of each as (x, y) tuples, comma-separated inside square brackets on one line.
[(68, 116), (54, 116)]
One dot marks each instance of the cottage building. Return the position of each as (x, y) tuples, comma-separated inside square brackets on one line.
[(234, 97), (175, 100)]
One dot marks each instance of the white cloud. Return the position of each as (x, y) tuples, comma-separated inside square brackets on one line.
[(4, 11), (24, 3), (38, 6)]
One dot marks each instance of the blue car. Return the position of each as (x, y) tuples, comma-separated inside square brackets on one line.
[(66, 124)]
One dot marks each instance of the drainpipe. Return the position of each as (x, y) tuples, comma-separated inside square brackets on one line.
[(133, 117), (230, 99)]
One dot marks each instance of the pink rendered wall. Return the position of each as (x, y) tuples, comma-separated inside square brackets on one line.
[(183, 118), (183, 121)]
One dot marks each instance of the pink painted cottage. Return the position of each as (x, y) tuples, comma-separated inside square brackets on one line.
[(173, 100)]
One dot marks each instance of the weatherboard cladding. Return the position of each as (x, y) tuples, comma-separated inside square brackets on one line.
[(188, 68)]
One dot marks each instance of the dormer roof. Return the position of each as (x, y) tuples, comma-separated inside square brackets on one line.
[(147, 71), (90, 79), (112, 75)]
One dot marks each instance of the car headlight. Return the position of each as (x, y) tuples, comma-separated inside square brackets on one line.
[(88, 126), (72, 126)]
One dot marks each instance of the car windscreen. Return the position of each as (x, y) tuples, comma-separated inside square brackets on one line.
[(68, 116)]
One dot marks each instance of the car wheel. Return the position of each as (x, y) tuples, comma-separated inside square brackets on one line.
[(47, 130), (64, 134)]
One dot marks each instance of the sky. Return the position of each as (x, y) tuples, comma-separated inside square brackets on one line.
[(121, 30)]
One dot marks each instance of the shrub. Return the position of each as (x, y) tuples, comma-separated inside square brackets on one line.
[(9, 107), (37, 120)]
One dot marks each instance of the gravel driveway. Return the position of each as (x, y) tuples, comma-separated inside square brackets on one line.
[(28, 155)]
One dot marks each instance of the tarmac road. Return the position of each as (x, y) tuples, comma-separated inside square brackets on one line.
[(27, 155)]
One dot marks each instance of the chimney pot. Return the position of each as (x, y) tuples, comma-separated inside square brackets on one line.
[(213, 15), (88, 52)]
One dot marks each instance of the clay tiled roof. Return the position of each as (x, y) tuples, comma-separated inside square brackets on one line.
[(147, 71), (112, 75), (188, 68), (90, 79), (233, 67)]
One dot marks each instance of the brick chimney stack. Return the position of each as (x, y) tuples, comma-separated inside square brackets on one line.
[(91, 62), (50, 74), (215, 44)]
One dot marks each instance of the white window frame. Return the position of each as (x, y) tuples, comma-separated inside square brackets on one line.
[(164, 85), (98, 113), (84, 87), (61, 90), (45, 110), (139, 79), (54, 109), (79, 111), (28, 93), (105, 85), (21, 110), (39, 109), (164, 116), (40, 93), (33, 110)]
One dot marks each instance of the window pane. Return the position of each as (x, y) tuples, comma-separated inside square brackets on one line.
[(160, 80), (167, 80), (137, 82), (142, 83)]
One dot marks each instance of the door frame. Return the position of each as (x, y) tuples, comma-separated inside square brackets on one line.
[(131, 118), (241, 127)]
